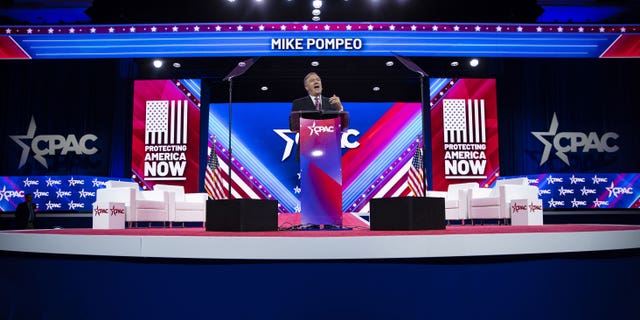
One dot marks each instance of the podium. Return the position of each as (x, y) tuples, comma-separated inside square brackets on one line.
[(320, 166)]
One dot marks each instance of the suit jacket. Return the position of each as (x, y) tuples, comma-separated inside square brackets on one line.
[(22, 214), (306, 104)]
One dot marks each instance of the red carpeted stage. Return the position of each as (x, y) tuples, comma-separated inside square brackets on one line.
[(357, 243)]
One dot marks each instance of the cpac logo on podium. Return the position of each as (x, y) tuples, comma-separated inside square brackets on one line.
[(313, 129), (52, 144)]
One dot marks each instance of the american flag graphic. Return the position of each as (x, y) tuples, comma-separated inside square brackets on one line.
[(166, 122), (464, 121), (213, 181), (415, 176)]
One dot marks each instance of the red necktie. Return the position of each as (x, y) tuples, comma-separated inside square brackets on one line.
[(317, 103)]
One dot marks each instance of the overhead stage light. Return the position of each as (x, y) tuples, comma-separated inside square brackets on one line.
[(157, 63), (474, 62), (315, 12), (315, 18), (315, 63), (317, 4), (389, 63)]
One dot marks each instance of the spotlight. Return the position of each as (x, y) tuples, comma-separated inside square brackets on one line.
[(264, 88), (157, 63), (177, 65), (455, 63), (376, 89), (241, 64), (315, 18), (389, 63), (315, 12), (317, 4), (474, 62), (315, 63)]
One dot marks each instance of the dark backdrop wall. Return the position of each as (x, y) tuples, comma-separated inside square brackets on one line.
[(81, 117), (590, 97), (68, 99)]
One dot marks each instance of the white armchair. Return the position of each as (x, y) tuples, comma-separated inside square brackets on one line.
[(149, 206), (456, 200), (493, 203), (184, 207)]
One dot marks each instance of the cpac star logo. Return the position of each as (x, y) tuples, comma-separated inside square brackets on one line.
[(291, 138), (50, 182), (564, 142), (98, 184), (575, 179), (555, 203), (51, 144), (552, 180), (318, 129), (615, 191), (38, 194), (9, 194), (599, 203), (29, 183), (578, 203), (562, 191), (73, 182), (53, 205), (586, 191), (597, 180)]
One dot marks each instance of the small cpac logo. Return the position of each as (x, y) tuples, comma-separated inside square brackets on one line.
[(313, 129)]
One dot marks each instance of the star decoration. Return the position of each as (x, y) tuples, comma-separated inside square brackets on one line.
[(283, 27), (297, 190), (239, 28), (132, 29), (327, 27), (348, 27), (623, 29), (218, 28), (305, 27), (434, 28), (153, 29), (560, 29), (111, 30), (553, 128), (369, 27), (72, 30), (92, 30), (413, 28), (581, 29), (29, 30), (50, 30), (196, 29), (8, 31), (261, 28), (456, 28), (519, 29), (539, 29), (477, 28), (499, 29), (175, 29), (392, 27), (601, 29)]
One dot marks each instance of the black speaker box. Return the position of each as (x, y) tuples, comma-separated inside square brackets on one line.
[(242, 215), (410, 213)]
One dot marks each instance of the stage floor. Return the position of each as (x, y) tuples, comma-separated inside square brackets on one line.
[(358, 243)]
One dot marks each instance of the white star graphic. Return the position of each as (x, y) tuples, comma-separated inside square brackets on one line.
[(283, 27), (369, 27), (132, 29), (218, 28), (434, 28), (196, 29), (153, 29), (477, 28), (539, 29), (175, 29), (297, 190), (72, 30), (547, 145), (560, 29), (239, 28), (327, 27), (305, 27), (601, 29), (31, 131), (348, 27), (456, 28), (581, 29), (519, 29), (392, 27), (261, 28), (92, 30), (50, 30), (414, 28), (111, 30), (29, 30), (297, 208), (623, 29), (499, 29), (8, 30)]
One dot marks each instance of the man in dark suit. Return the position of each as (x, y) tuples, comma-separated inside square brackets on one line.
[(26, 213), (314, 100)]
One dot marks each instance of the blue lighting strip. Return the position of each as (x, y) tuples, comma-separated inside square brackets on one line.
[(314, 39)]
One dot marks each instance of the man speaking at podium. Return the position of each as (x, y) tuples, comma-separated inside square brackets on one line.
[(315, 100)]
